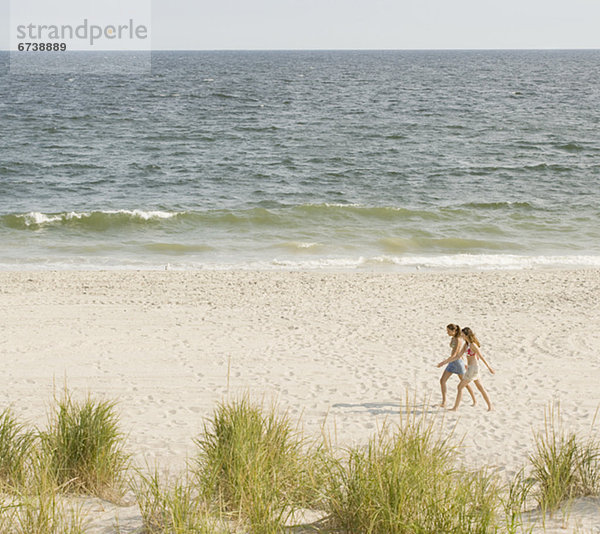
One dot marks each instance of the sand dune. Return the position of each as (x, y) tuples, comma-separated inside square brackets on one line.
[(342, 350)]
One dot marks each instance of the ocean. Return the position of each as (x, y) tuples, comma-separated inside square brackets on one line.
[(366, 160)]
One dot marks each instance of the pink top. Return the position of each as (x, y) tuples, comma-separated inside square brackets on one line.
[(471, 352)]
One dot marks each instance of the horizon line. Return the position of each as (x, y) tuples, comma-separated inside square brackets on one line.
[(542, 49)]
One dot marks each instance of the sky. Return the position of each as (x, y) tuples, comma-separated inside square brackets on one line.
[(323, 24)]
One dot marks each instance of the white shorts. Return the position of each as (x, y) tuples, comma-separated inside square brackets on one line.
[(472, 373)]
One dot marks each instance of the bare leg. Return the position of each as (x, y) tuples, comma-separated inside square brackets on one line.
[(443, 380), (471, 392), (484, 393), (461, 386)]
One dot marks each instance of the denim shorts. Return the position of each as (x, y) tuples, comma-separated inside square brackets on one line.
[(457, 366)]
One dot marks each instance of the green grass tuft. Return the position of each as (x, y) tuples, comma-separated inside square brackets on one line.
[(514, 501), (405, 482), (173, 509), (84, 447), (44, 514), (16, 446), (252, 463), (564, 466)]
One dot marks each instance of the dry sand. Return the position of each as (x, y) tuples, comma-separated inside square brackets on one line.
[(342, 350)]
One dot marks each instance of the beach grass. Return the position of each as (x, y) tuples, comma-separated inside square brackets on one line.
[(173, 507), (43, 513), (38, 507), (252, 464), (514, 501), (254, 472), (16, 445), (564, 466), (405, 480), (84, 448)]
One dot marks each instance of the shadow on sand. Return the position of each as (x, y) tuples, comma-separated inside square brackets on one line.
[(387, 408)]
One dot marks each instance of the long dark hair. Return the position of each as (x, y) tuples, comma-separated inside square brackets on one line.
[(454, 328), (470, 335)]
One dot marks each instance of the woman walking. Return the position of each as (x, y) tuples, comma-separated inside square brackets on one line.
[(471, 347), (455, 366)]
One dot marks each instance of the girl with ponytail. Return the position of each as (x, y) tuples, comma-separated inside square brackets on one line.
[(456, 366), (471, 347)]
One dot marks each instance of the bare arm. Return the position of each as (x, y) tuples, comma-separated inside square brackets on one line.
[(455, 355), (484, 361)]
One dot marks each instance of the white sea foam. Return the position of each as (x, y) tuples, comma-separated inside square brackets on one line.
[(459, 262), (434, 263), (486, 261), (396, 263), (146, 215), (35, 218), (299, 245), (38, 218)]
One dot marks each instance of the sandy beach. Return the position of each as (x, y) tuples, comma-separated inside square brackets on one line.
[(340, 350)]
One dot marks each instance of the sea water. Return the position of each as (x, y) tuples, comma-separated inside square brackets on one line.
[(389, 160)]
